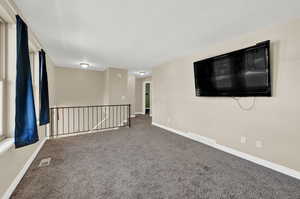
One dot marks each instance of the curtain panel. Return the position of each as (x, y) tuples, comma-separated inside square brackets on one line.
[(25, 119), (44, 95)]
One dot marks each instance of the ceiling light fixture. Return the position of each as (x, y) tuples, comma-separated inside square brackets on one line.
[(142, 73), (84, 65)]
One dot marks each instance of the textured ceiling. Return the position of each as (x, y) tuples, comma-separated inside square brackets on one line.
[(140, 34)]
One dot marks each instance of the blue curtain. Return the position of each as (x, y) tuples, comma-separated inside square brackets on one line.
[(44, 95), (25, 121)]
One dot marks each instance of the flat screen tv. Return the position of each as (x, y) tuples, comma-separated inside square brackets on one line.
[(241, 73)]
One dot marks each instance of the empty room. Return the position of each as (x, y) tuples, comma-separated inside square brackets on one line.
[(140, 99)]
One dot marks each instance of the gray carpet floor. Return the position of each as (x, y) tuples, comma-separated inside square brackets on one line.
[(147, 162)]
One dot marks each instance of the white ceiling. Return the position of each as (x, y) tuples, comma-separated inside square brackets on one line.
[(140, 34)]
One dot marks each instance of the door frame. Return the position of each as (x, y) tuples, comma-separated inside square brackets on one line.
[(144, 94)]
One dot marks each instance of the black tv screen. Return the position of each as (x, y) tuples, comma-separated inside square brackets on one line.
[(241, 73)]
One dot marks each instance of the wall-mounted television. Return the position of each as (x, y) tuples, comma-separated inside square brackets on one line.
[(242, 73)]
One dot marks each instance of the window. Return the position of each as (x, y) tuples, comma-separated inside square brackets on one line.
[(8, 77), (34, 64), (1, 110), (2, 77)]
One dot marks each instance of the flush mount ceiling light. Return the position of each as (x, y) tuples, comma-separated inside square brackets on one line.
[(84, 65), (142, 73)]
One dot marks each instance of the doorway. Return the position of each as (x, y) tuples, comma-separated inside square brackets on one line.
[(147, 98)]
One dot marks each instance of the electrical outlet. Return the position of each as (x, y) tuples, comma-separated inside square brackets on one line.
[(169, 120), (258, 144), (243, 139), (123, 97)]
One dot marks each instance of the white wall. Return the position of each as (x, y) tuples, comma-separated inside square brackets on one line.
[(131, 92), (78, 87), (116, 86), (274, 121)]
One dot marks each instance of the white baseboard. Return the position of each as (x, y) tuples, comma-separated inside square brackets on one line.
[(139, 113), (19, 177), (210, 142)]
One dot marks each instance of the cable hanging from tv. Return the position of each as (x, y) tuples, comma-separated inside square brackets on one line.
[(248, 108)]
